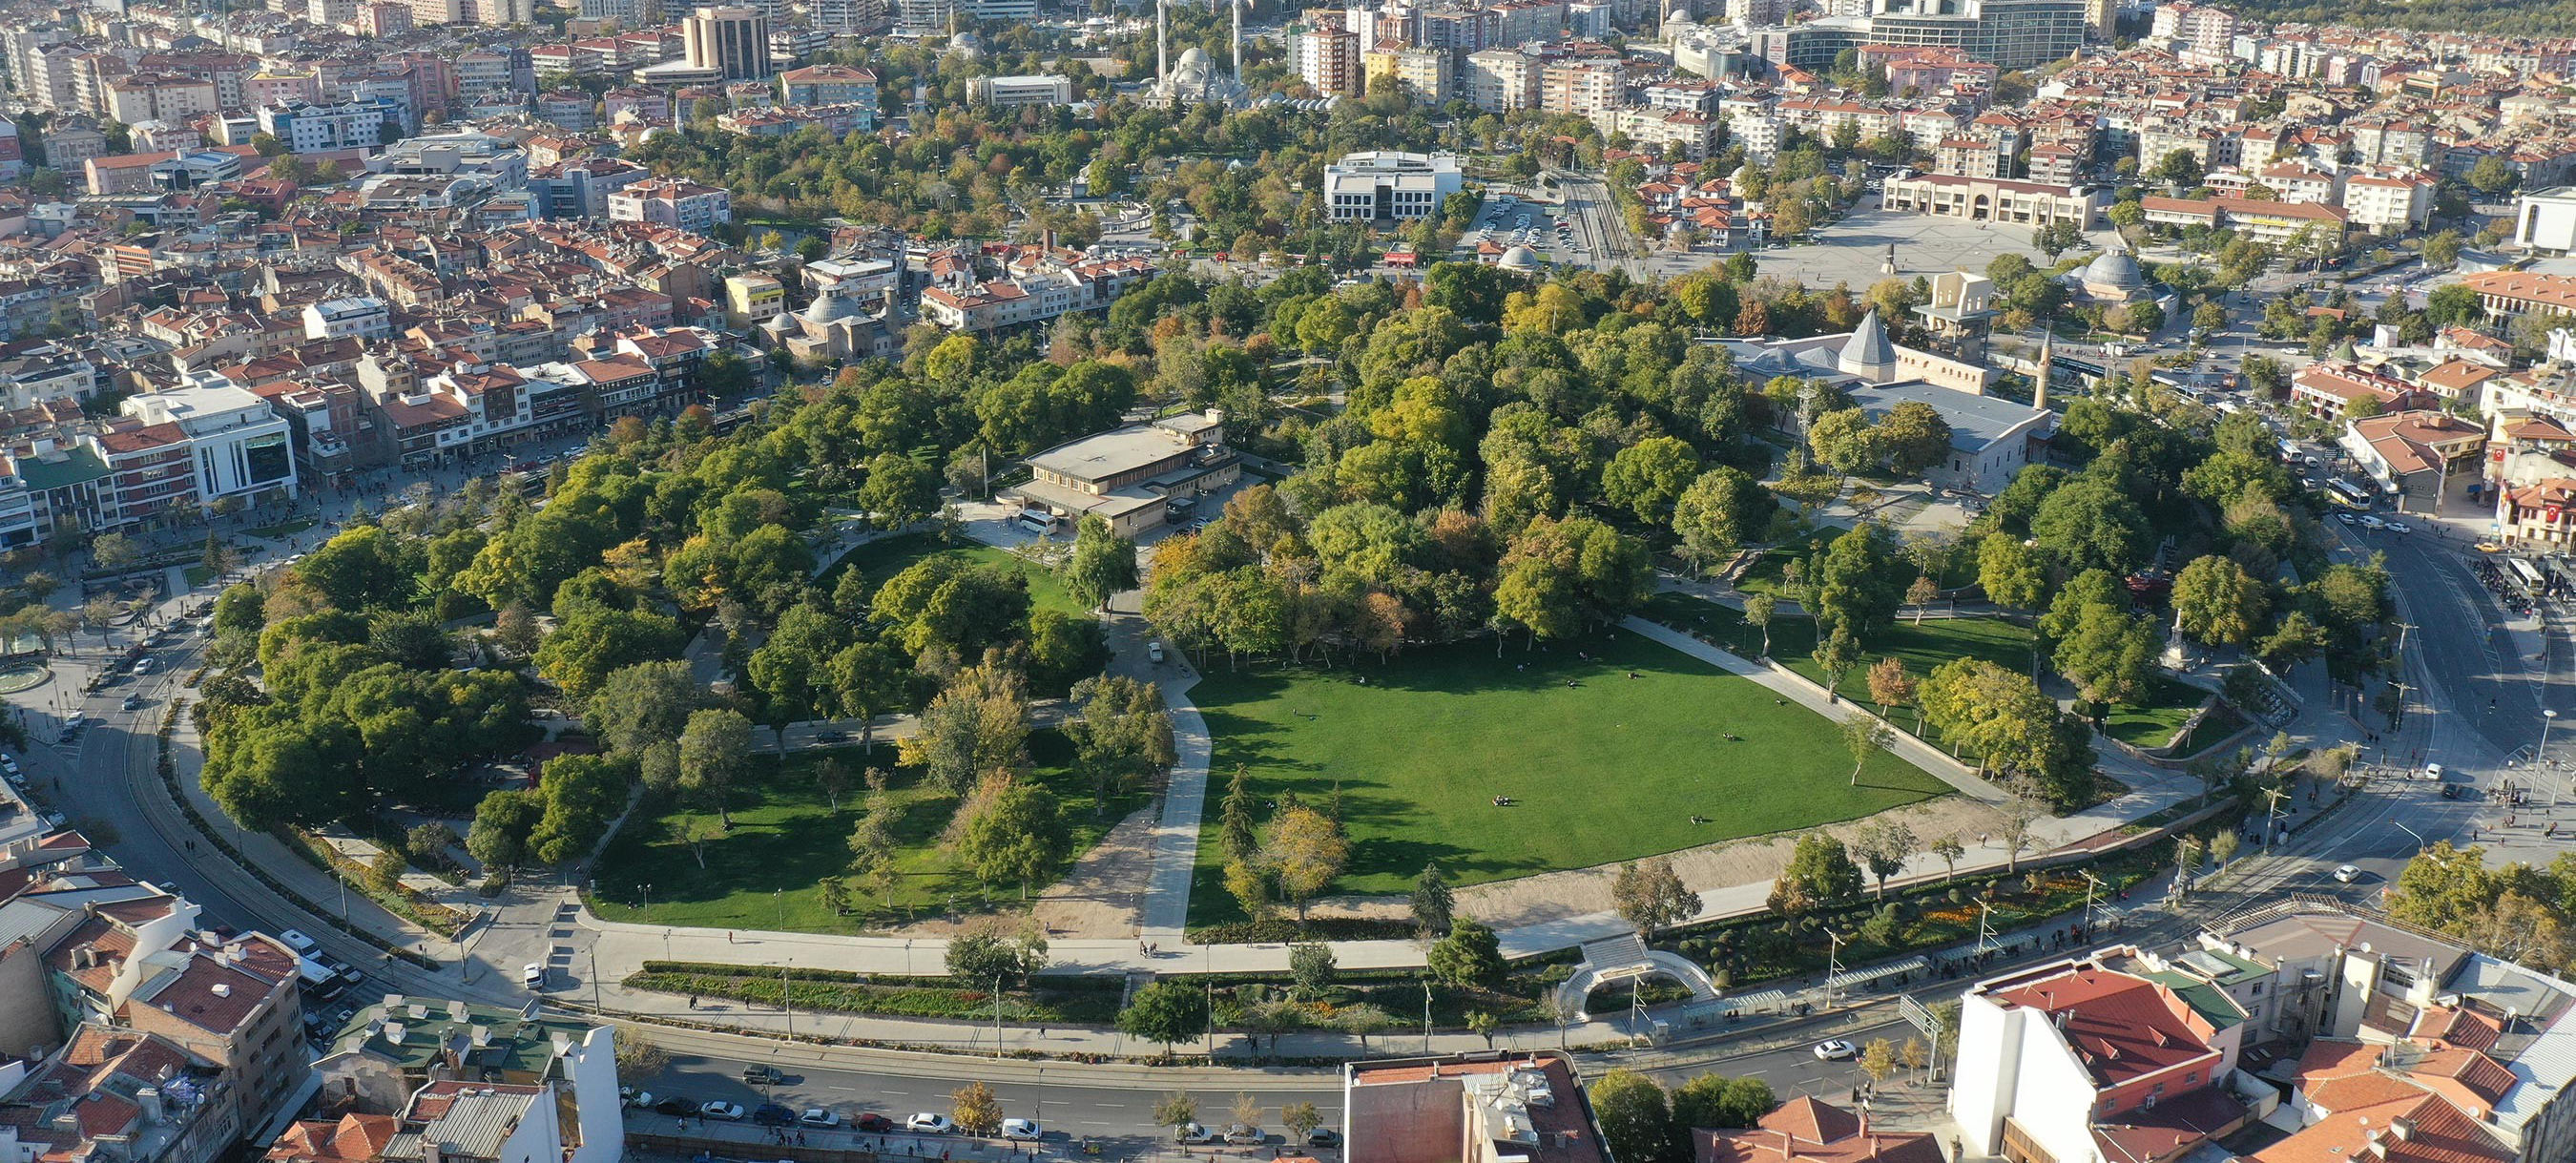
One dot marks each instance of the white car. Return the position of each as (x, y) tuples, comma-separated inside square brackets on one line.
[(817, 1116), (1240, 1135), (2399, 527), (927, 1123), (1190, 1134), (1021, 1130), (2433, 771), (2371, 522), (1836, 1050), (2347, 874), (532, 975), (642, 1099), (1154, 652), (730, 1112)]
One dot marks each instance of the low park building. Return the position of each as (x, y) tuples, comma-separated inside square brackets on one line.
[(1135, 477)]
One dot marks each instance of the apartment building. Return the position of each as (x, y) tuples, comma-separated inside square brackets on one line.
[(672, 202), (309, 128), (1328, 60), (1500, 80), (828, 85)]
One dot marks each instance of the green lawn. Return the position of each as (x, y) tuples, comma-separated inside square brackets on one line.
[(1764, 576), (1610, 769), (879, 560), (785, 838), (2170, 705), (1937, 640), (198, 575)]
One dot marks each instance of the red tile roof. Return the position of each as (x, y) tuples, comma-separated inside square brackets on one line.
[(2122, 1026)]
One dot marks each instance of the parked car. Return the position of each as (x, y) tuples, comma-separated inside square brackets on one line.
[(720, 1109), (1188, 1134), (927, 1123), (820, 1116), (1240, 1135), (1323, 1137), (1154, 652), (533, 975), (831, 736), (872, 1121), (1835, 1050), (1021, 1130), (675, 1106), (762, 1074), (770, 1114), (640, 1099)]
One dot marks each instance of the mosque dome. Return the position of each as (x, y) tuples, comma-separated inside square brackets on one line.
[(2114, 268), (1519, 258)]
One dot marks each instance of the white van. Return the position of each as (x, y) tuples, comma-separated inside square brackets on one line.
[(1040, 522)]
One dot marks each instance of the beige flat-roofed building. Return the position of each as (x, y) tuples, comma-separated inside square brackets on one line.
[(1130, 476)]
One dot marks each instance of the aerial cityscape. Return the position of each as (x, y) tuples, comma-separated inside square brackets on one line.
[(1430, 581)]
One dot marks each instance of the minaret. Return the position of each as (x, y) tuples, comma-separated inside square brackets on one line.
[(1238, 42), (1162, 48), (2047, 357)]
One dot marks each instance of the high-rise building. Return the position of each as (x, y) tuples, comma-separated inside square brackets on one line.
[(1328, 58), (732, 41), (2012, 34)]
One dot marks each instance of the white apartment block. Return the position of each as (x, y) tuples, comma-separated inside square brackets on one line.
[(2388, 201), (1500, 80), (314, 128), (672, 202)]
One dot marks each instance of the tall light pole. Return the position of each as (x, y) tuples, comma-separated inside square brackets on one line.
[(2540, 758), (2420, 843)]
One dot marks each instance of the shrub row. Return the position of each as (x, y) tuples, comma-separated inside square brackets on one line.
[(1089, 1007)]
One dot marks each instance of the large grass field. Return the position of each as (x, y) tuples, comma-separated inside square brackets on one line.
[(1923, 647), (785, 838), (879, 560), (1609, 769)]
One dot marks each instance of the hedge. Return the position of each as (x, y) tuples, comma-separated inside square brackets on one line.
[(1086, 1007)]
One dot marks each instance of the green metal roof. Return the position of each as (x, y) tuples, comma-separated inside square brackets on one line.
[(514, 1044), (77, 466), (2205, 999)]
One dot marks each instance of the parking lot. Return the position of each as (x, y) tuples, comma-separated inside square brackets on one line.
[(1519, 223)]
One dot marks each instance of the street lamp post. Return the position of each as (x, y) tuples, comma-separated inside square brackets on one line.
[(2540, 758), (2420, 843)]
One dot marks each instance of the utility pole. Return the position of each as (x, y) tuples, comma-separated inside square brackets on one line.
[(786, 1000), (2272, 819), (1426, 1017), (997, 1013), (2091, 883), (1833, 964)]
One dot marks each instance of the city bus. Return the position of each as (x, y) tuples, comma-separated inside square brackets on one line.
[(2349, 493)]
